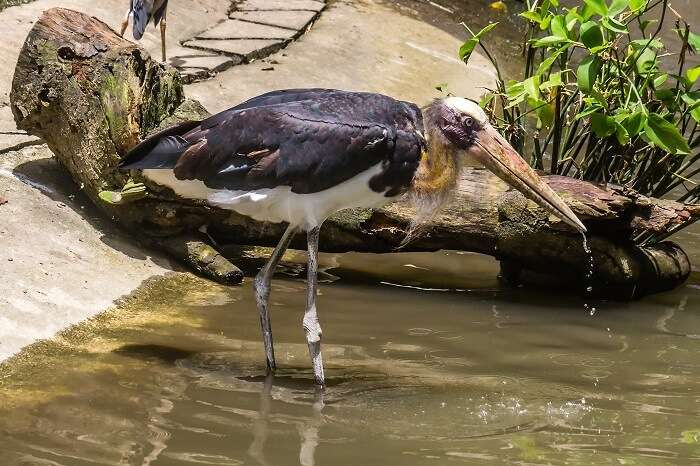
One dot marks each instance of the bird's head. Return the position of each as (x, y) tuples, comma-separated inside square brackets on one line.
[(462, 129)]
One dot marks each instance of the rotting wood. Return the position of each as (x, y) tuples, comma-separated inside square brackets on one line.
[(92, 95)]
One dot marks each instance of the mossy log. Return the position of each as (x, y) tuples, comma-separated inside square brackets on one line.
[(92, 95)]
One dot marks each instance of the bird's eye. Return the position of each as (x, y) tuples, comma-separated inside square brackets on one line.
[(469, 122)]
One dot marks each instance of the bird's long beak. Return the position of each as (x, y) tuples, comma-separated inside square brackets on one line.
[(494, 152)]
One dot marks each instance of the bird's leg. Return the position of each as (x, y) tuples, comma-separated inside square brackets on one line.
[(262, 293), (312, 328), (163, 25), (125, 23)]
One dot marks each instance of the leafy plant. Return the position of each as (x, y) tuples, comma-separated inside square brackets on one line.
[(599, 100)]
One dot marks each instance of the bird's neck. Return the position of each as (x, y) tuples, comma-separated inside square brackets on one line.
[(439, 166)]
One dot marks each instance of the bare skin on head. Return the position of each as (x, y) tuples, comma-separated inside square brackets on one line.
[(459, 133)]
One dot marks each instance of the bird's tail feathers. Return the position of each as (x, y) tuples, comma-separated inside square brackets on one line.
[(161, 150)]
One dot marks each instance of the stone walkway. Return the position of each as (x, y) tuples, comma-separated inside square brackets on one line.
[(254, 29)]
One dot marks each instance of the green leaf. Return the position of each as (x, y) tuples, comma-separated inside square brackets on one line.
[(617, 7), (587, 73), (636, 5), (531, 16), (486, 99), (692, 99), (549, 61), (544, 24), (591, 34), (558, 26), (603, 125), (532, 87), (623, 137), (589, 111), (660, 80), (667, 96), (665, 135), (586, 13), (614, 26), (694, 41), (131, 191), (465, 51), (553, 81), (646, 62), (599, 48), (639, 44), (597, 6), (573, 15), (550, 40), (544, 112), (693, 74), (634, 123), (516, 93)]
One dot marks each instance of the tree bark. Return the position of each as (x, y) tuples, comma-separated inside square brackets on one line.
[(92, 95)]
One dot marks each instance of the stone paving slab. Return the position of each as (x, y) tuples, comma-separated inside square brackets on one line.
[(236, 29), (293, 19), (196, 64), (185, 19), (247, 48), (10, 136), (255, 5)]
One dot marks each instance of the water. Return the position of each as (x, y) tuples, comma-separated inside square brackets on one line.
[(478, 376), (589, 270)]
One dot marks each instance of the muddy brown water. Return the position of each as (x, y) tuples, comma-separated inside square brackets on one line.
[(428, 361)]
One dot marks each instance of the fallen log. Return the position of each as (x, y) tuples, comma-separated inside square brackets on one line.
[(92, 95)]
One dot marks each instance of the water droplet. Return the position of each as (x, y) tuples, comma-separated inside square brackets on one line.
[(589, 273)]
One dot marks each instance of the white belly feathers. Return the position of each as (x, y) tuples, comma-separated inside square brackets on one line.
[(280, 204)]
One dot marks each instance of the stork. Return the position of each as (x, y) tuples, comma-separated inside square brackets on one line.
[(142, 12), (298, 156)]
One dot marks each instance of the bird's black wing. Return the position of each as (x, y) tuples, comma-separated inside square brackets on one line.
[(159, 8), (309, 145), (283, 96), (347, 105), (143, 11)]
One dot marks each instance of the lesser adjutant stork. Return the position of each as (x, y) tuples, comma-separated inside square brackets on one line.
[(298, 156), (143, 11)]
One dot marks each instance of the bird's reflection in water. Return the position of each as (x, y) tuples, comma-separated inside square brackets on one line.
[(308, 430), (260, 425)]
